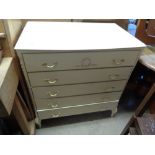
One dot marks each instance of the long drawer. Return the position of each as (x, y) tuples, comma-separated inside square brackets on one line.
[(67, 111), (78, 76), (79, 89), (76, 100), (78, 60)]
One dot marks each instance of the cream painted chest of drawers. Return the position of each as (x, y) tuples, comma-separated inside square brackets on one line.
[(75, 68)]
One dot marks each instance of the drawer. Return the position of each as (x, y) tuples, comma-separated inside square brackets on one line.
[(76, 100), (67, 111), (78, 76), (79, 89), (78, 60)]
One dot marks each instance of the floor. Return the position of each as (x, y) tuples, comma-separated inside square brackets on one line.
[(88, 124)]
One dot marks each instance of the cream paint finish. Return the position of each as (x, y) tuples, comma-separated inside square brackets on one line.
[(78, 60), (78, 76), (78, 89), (76, 100), (86, 65), (75, 36), (80, 109)]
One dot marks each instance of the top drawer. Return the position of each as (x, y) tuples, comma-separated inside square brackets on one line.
[(78, 60)]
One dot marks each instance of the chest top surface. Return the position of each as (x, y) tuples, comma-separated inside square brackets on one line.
[(75, 36)]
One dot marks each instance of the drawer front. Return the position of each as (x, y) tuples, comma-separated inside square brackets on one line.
[(81, 60), (76, 100), (79, 89), (78, 76), (67, 111)]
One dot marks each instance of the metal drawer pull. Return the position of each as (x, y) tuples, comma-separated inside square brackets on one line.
[(51, 82), (54, 106), (52, 95), (115, 76), (55, 115), (49, 66), (118, 62)]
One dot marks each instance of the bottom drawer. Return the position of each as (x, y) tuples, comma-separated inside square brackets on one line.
[(76, 100), (74, 110)]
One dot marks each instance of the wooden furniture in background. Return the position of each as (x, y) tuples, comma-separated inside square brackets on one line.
[(2, 36), (146, 31), (143, 106), (22, 104), (8, 84), (147, 58), (28, 127), (145, 125), (12, 30)]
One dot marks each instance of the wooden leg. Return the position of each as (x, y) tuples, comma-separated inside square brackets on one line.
[(140, 110), (129, 124), (38, 123), (113, 112), (26, 127)]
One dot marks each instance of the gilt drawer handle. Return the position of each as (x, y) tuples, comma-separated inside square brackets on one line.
[(52, 105), (52, 95), (118, 62), (50, 82), (49, 66)]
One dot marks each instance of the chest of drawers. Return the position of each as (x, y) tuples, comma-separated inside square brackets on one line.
[(75, 68)]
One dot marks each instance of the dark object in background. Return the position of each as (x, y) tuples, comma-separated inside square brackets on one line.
[(140, 111), (129, 101), (9, 126), (137, 87), (152, 105), (133, 131), (3, 128)]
